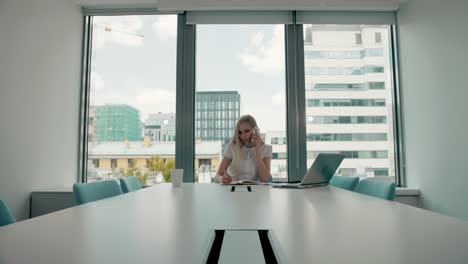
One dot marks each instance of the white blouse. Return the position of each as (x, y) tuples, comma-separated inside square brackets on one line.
[(247, 169)]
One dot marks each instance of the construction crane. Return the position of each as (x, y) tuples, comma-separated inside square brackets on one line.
[(110, 28)]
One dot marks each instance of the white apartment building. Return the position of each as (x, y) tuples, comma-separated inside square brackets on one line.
[(278, 167), (349, 105), (160, 126)]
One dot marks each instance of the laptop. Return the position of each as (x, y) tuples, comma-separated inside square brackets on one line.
[(319, 174)]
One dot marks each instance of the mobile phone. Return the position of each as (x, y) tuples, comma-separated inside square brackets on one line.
[(251, 137)]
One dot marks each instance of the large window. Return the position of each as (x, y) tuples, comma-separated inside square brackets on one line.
[(314, 81), (240, 70), (131, 117), (349, 95)]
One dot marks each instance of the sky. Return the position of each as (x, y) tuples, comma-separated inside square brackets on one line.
[(134, 63)]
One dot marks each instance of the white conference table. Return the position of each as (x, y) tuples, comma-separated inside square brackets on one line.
[(162, 224)]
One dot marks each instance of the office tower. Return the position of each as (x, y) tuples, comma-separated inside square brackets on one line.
[(278, 141), (160, 127), (117, 123), (92, 124), (349, 96), (216, 115)]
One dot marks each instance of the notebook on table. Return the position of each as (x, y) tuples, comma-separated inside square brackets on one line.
[(243, 182)]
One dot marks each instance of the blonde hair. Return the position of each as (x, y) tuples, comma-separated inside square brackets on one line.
[(237, 143)]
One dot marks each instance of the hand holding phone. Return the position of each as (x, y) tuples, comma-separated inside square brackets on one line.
[(252, 136), (255, 139)]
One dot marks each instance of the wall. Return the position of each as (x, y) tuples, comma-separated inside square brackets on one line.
[(433, 41), (40, 55), (40, 58)]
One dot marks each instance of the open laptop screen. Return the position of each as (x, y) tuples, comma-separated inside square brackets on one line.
[(323, 168)]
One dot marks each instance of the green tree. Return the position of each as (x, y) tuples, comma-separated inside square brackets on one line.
[(156, 163), (141, 176)]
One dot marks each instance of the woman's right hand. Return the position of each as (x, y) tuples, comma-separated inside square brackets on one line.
[(225, 179)]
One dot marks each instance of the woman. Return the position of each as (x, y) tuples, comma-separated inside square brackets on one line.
[(246, 157)]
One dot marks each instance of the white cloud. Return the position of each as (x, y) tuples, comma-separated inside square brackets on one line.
[(257, 39), (97, 88), (155, 100), (265, 56), (166, 26), (108, 96), (102, 94), (279, 98), (97, 82), (146, 100), (117, 30)]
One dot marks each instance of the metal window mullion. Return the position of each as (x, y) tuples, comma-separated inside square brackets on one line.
[(180, 154), (189, 104), (400, 165), (295, 97), (185, 94), (301, 115), (84, 98)]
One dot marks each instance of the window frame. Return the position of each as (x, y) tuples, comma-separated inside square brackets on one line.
[(185, 95)]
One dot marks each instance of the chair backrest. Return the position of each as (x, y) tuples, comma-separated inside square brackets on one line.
[(6, 217), (129, 184), (93, 191), (380, 189), (344, 182)]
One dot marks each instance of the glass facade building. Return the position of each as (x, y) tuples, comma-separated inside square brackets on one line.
[(216, 113), (117, 123)]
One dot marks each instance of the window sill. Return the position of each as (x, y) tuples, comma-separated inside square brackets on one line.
[(402, 191)]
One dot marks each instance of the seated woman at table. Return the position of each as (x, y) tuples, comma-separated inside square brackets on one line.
[(246, 156)]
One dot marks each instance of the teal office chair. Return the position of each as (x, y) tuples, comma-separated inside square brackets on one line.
[(129, 184), (5, 215), (93, 191), (380, 189), (344, 182)]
